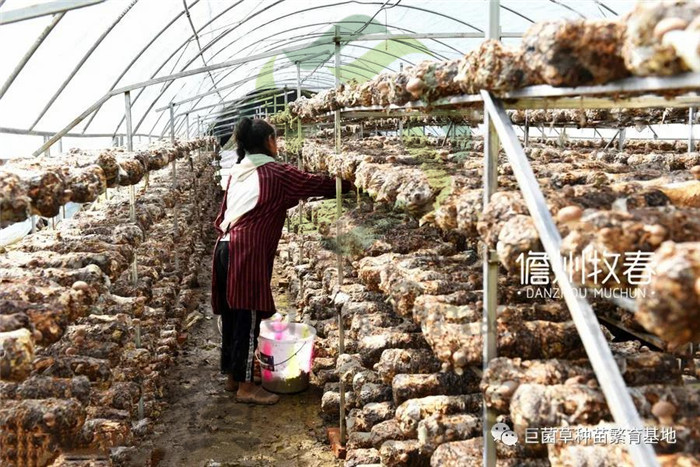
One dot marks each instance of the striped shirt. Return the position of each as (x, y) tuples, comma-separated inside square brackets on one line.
[(254, 237)]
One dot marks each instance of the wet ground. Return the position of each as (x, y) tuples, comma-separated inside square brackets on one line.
[(205, 426)]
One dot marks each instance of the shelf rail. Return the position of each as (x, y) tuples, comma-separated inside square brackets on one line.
[(608, 374)]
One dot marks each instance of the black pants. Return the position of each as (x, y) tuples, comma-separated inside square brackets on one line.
[(239, 328)]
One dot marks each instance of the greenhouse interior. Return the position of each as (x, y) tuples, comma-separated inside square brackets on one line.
[(351, 233)]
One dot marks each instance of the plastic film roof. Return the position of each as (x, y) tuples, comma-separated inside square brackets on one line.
[(54, 67)]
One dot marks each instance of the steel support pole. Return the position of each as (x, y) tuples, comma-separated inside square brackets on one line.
[(490, 264), (286, 103), (527, 130), (173, 166), (621, 139), (187, 125), (607, 372), (339, 213), (132, 218), (490, 274), (47, 151), (300, 135), (172, 141), (691, 137), (286, 156), (132, 189), (129, 147), (400, 130)]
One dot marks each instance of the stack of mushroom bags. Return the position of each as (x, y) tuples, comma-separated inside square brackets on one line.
[(87, 343), (411, 299)]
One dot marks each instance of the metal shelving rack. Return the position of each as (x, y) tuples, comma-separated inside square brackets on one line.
[(675, 91)]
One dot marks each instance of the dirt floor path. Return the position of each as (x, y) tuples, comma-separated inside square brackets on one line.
[(204, 425)]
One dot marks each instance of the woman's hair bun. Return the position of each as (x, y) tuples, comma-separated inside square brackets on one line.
[(242, 132), (243, 129)]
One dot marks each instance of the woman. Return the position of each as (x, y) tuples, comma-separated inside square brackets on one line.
[(259, 191)]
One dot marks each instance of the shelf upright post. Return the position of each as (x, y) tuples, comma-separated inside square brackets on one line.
[(339, 213), (691, 137), (176, 227), (490, 274), (132, 218), (621, 138), (132, 189), (594, 342), (286, 104), (47, 152), (401, 119), (299, 165), (527, 129), (489, 259), (189, 159)]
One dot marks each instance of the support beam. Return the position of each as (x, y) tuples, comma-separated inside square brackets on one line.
[(299, 135), (527, 130), (434, 35), (39, 40), (490, 273), (44, 9), (47, 152), (173, 172), (19, 131), (490, 264), (621, 139), (132, 189), (339, 214), (691, 136)]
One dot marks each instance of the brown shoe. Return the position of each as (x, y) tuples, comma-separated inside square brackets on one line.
[(258, 396), (231, 384)]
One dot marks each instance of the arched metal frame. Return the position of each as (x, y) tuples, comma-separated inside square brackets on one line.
[(82, 61), (217, 38), (255, 77), (306, 37), (207, 46), (245, 80), (228, 29), (39, 40), (136, 58)]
